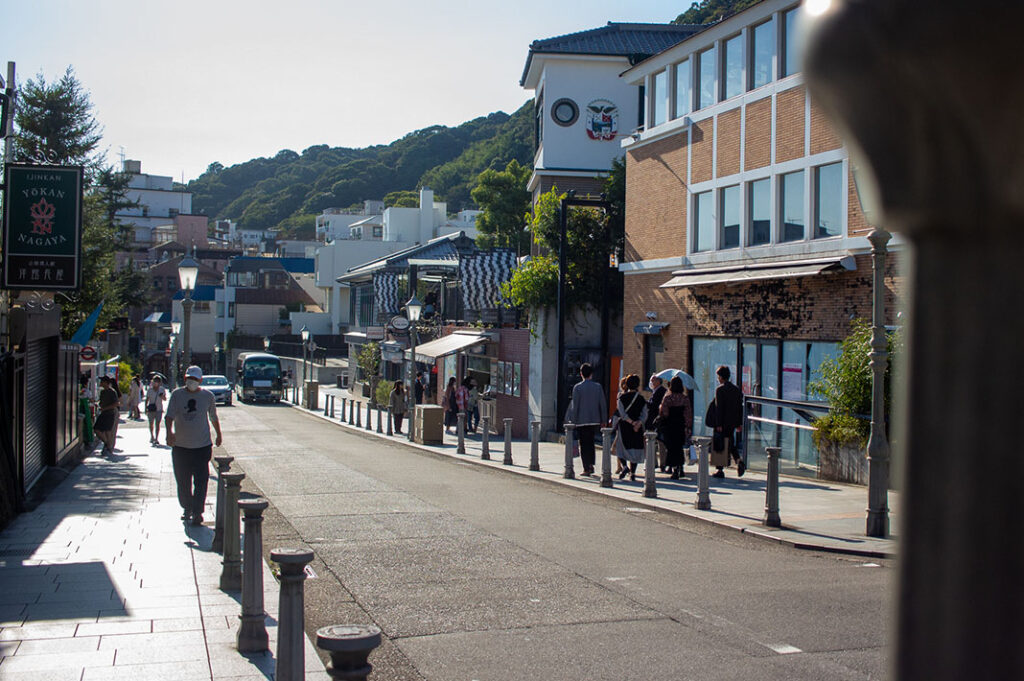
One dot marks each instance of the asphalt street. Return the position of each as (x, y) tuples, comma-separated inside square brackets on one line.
[(476, 574)]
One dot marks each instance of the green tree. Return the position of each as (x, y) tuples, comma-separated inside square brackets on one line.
[(505, 201), (710, 11), (402, 199), (55, 123)]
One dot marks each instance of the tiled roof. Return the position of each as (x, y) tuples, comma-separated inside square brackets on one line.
[(449, 247), (201, 292), (636, 41), (299, 265), (273, 296)]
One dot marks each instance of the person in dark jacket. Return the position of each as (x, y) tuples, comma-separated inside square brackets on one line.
[(726, 417), (675, 420), (658, 391)]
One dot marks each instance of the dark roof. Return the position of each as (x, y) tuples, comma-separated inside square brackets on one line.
[(449, 247), (201, 292), (256, 264), (299, 265), (635, 41), (272, 296)]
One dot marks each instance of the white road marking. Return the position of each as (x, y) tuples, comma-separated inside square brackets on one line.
[(783, 648)]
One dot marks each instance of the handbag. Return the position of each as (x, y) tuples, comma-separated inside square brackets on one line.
[(717, 441), (150, 407), (691, 457)]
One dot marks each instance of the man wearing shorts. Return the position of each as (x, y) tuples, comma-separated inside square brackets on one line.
[(190, 413)]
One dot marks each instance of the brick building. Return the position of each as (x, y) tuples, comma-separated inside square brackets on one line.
[(745, 241)]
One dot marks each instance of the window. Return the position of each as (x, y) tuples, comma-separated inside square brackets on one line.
[(760, 212), (654, 354), (231, 310), (793, 206), (790, 62), (706, 78), (172, 212), (761, 50), (732, 77), (704, 221), (538, 123), (565, 112), (659, 98), (828, 201), (684, 93), (156, 284), (730, 212), (220, 309)]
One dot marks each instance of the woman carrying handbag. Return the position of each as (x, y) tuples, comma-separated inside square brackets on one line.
[(630, 415)]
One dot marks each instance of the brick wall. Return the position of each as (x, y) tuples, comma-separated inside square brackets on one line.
[(514, 346), (729, 142), (789, 125), (823, 135), (758, 143), (702, 156), (656, 196), (806, 308)]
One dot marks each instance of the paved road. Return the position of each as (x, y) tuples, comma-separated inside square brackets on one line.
[(476, 574)]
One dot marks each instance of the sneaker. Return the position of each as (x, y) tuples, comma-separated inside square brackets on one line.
[(718, 474), (741, 468)]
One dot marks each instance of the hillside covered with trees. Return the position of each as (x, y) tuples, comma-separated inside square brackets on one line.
[(288, 190)]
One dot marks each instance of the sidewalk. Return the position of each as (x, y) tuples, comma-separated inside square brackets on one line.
[(102, 581), (816, 514)]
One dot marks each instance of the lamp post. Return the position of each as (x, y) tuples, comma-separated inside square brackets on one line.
[(304, 333), (175, 349), (413, 309), (216, 358), (188, 271), (266, 343), (878, 443)]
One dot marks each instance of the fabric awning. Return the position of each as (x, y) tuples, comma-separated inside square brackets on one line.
[(650, 328), (741, 274), (446, 345)]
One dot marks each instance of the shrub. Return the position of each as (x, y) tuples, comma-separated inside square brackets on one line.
[(383, 393)]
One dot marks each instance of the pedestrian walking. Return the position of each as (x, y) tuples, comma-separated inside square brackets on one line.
[(473, 406), (396, 402), (134, 398), (658, 391), (107, 417), (190, 413), (674, 418), (630, 415), (588, 411), (462, 400), (725, 415), (418, 388), (451, 408), (155, 398)]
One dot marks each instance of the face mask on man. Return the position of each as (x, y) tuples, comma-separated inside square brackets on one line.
[(192, 384)]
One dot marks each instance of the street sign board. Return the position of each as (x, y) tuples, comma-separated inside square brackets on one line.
[(88, 353), (42, 227)]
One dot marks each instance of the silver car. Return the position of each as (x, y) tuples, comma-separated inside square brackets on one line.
[(220, 387)]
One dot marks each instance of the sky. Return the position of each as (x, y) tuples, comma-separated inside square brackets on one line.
[(181, 85)]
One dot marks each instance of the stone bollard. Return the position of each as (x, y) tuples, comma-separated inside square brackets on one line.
[(359, 416), (460, 428), (703, 445), (485, 439), (252, 633), (223, 466), (231, 573), (569, 473), (344, 403), (771, 500), (352, 412), (606, 456), (369, 417), (327, 404), (650, 464), (291, 618), (507, 461), (389, 419), (535, 445), (349, 647), (380, 419)]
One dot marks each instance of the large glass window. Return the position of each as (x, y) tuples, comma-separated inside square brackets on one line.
[(659, 98), (704, 221), (730, 212), (759, 204), (654, 354), (828, 201), (708, 355), (684, 93), (706, 78), (793, 206), (761, 50), (733, 73), (790, 62)]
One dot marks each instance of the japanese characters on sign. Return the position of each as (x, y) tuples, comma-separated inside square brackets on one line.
[(42, 227)]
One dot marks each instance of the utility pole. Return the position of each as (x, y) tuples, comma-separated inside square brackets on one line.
[(7, 126)]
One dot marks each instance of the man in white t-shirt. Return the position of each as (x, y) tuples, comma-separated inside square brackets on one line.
[(190, 413)]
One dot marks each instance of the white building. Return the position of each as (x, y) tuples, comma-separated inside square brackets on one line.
[(336, 223), (158, 203)]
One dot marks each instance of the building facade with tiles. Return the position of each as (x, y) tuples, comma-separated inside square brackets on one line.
[(745, 240)]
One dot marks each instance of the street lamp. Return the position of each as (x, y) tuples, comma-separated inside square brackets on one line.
[(304, 333), (175, 348), (216, 356), (266, 343), (413, 309), (878, 443), (188, 271)]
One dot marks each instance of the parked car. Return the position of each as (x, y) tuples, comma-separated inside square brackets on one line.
[(220, 387)]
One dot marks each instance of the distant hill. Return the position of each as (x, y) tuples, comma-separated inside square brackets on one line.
[(288, 190)]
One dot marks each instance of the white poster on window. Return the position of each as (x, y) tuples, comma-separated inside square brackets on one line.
[(792, 381)]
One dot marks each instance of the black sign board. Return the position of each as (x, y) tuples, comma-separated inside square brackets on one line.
[(42, 227)]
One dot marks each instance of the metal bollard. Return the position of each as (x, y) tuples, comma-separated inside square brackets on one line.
[(507, 461), (349, 646), (231, 573), (223, 466), (650, 464), (344, 403), (570, 473), (291, 618), (485, 439), (606, 457), (771, 501), (369, 417), (359, 416), (460, 428), (352, 412), (535, 445), (703, 445), (327, 402), (389, 419), (380, 419), (252, 633)]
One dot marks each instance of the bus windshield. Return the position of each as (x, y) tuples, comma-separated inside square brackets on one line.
[(262, 368)]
